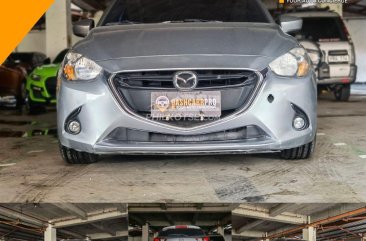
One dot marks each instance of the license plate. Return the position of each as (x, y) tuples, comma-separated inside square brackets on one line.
[(338, 58), (199, 104)]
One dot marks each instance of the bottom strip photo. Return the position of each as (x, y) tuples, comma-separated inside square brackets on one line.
[(182, 222)]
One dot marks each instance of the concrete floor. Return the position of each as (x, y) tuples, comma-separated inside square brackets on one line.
[(31, 169)]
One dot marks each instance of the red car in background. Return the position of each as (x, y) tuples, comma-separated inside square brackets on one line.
[(13, 74)]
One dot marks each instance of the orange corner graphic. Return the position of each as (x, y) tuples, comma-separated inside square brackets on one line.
[(17, 17)]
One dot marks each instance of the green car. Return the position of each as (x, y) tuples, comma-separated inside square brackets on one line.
[(41, 85)]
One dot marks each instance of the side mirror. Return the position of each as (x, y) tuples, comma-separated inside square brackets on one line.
[(47, 61), (83, 27), (290, 24)]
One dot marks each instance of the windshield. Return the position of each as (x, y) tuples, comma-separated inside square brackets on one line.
[(20, 58), (159, 11), (182, 232), (323, 29)]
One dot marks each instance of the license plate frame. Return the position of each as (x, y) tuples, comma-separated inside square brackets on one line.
[(338, 58), (193, 104)]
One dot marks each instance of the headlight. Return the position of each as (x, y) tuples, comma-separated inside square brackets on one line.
[(78, 67), (293, 63), (36, 77)]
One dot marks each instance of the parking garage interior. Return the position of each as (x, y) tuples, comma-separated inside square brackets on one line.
[(143, 221), (29, 145), (44, 199)]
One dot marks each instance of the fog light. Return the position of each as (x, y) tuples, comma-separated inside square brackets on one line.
[(299, 123), (74, 127)]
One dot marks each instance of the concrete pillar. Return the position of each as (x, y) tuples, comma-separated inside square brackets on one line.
[(338, 8), (309, 234), (220, 230), (50, 233), (145, 232), (228, 237), (58, 27)]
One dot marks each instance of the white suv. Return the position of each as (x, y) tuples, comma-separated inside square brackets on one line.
[(336, 69)]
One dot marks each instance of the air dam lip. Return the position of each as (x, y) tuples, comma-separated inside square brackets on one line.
[(125, 135)]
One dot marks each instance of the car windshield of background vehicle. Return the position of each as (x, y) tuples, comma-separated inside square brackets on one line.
[(324, 29), (20, 58), (60, 57), (171, 11), (185, 232)]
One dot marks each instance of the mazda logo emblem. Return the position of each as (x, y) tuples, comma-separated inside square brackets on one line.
[(185, 80)]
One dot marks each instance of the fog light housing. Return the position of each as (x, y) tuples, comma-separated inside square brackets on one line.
[(74, 127), (299, 123), (72, 123)]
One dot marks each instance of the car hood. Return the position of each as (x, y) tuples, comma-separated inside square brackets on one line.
[(185, 45)]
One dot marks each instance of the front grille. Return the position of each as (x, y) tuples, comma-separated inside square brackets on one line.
[(137, 136), (206, 79), (51, 84), (337, 52), (134, 89), (37, 92)]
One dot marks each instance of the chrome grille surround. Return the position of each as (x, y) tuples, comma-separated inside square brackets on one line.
[(124, 105)]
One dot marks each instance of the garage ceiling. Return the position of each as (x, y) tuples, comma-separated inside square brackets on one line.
[(253, 222), (355, 7), (73, 221)]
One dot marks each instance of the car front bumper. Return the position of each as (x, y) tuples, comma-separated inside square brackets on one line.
[(39, 93), (101, 114), (326, 79)]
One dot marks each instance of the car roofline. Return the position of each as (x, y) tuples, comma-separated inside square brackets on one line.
[(180, 226), (310, 14)]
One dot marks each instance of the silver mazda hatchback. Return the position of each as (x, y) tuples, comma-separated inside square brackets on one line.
[(186, 77)]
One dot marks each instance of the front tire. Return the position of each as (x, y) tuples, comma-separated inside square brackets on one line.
[(299, 153), (342, 92), (76, 157)]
